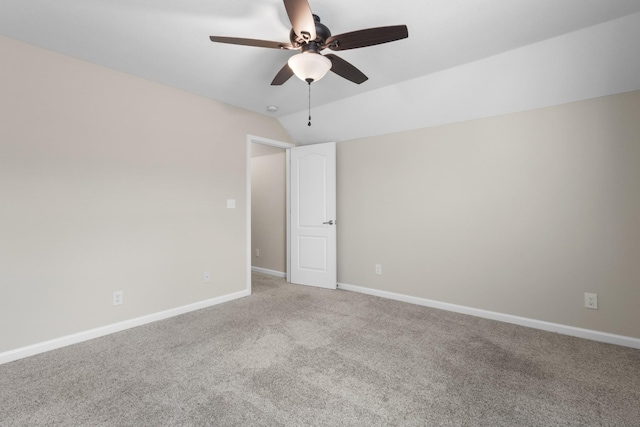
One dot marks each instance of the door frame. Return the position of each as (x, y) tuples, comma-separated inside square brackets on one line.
[(272, 142)]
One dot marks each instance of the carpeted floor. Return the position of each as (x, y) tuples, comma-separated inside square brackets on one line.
[(293, 356)]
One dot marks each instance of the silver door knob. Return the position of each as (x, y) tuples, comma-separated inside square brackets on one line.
[(330, 222)]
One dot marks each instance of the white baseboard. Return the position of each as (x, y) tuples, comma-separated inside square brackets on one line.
[(269, 272), (522, 321), (53, 344)]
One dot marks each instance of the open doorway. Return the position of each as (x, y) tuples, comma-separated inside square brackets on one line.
[(268, 210), (267, 206)]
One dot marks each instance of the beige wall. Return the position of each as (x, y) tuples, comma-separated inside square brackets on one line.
[(519, 214), (268, 206), (110, 182)]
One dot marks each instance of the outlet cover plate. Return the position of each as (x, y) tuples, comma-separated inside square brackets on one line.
[(591, 300), (118, 297)]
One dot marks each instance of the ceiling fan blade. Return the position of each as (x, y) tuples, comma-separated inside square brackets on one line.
[(345, 69), (368, 37), (301, 18), (283, 75), (251, 42)]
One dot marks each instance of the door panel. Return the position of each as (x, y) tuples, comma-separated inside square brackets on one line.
[(313, 210), (313, 253), (311, 174)]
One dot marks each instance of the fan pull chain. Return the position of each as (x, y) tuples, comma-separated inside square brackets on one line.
[(309, 81)]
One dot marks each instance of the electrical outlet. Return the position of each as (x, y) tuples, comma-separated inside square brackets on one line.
[(591, 301), (118, 297), (257, 252), (379, 269), (206, 277)]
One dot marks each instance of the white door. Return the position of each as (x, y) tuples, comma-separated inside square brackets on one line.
[(313, 215)]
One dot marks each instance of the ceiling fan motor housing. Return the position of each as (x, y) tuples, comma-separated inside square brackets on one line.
[(322, 34)]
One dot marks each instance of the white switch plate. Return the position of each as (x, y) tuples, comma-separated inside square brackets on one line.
[(206, 277), (231, 203)]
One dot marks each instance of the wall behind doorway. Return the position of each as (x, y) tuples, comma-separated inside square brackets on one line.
[(268, 208)]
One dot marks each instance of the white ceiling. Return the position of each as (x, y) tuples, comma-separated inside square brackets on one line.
[(167, 41)]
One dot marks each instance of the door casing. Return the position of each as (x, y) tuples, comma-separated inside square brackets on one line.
[(286, 146)]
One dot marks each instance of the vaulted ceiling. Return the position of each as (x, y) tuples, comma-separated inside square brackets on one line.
[(451, 43)]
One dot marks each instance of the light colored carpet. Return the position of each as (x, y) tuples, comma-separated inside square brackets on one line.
[(292, 356)]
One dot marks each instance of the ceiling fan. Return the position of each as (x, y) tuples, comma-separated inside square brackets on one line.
[(310, 36)]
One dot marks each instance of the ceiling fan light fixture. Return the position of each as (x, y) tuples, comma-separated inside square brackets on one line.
[(309, 66)]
